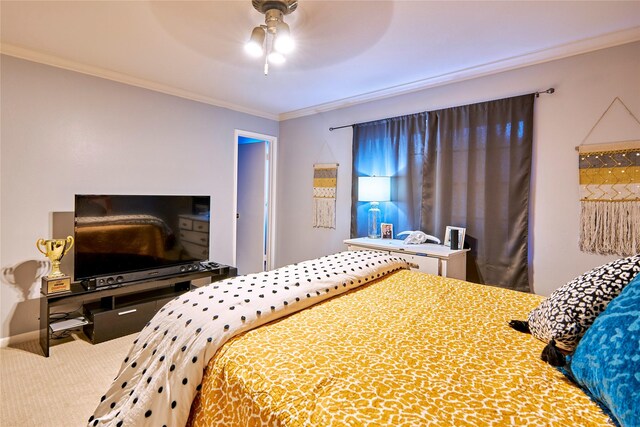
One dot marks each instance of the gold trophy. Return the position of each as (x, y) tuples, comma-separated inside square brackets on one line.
[(55, 249)]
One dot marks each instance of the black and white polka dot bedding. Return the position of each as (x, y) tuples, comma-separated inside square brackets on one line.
[(161, 375)]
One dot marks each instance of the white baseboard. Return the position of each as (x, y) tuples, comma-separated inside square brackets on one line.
[(20, 338)]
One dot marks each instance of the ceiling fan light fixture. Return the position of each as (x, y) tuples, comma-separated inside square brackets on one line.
[(274, 37), (254, 47), (276, 58), (283, 42)]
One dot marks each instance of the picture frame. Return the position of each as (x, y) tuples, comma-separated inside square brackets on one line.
[(461, 233), (386, 230)]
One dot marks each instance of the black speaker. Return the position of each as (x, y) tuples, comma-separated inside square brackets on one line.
[(89, 284), (124, 278)]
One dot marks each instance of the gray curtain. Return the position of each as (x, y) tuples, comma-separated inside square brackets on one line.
[(390, 147), (476, 174)]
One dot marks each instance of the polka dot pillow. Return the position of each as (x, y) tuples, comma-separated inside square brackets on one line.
[(565, 316)]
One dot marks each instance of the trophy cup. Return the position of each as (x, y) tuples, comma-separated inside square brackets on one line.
[(55, 249)]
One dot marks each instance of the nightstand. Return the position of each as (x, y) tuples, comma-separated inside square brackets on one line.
[(428, 258)]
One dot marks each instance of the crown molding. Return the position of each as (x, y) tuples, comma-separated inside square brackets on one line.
[(54, 61), (515, 62), (532, 58)]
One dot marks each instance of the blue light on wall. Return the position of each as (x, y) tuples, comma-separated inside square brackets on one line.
[(379, 155)]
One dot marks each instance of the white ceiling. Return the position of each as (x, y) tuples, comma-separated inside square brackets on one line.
[(347, 51)]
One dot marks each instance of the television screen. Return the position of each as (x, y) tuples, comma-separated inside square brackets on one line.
[(125, 233)]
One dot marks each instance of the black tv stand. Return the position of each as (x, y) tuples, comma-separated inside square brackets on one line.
[(107, 313)]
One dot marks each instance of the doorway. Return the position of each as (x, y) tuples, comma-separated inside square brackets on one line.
[(255, 202)]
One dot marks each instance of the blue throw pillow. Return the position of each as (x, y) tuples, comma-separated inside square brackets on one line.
[(606, 361)]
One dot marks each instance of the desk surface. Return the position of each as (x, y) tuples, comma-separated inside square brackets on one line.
[(425, 249)]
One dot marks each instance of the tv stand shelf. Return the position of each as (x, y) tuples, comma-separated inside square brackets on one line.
[(117, 311)]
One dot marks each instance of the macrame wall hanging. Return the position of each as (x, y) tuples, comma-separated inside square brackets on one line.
[(325, 185), (610, 196)]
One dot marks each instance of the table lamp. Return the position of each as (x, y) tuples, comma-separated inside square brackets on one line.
[(374, 189)]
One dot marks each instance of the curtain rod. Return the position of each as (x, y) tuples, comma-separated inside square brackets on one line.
[(549, 91), (340, 127), (537, 94)]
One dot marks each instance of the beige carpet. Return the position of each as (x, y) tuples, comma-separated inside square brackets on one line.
[(62, 390)]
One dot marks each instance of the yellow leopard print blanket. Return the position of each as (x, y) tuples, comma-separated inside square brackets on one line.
[(410, 349)]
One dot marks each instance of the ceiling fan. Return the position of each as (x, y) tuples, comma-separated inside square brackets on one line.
[(272, 39)]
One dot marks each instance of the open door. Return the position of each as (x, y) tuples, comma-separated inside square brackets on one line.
[(254, 202)]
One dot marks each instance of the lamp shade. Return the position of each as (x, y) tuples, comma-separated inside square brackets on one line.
[(283, 42), (254, 46), (374, 188)]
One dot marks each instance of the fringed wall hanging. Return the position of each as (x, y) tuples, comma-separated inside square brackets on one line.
[(610, 197), (325, 185)]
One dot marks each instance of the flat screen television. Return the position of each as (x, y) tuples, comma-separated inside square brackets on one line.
[(118, 234)]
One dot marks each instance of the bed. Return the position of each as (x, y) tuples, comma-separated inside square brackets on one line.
[(137, 235), (360, 341)]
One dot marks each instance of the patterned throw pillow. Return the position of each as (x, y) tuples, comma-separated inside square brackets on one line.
[(607, 360), (565, 316)]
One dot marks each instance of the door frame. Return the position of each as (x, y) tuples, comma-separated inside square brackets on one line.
[(271, 226)]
